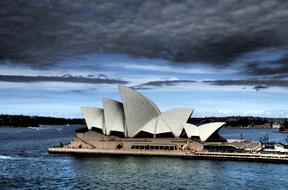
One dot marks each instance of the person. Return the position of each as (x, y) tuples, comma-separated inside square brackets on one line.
[(119, 146)]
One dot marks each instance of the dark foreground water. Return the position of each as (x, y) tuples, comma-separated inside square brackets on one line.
[(25, 164)]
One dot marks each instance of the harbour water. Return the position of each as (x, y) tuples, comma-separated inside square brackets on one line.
[(25, 164)]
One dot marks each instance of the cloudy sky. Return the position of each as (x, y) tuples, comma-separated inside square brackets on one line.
[(225, 57)]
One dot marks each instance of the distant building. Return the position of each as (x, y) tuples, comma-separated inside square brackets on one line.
[(265, 125), (276, 125)]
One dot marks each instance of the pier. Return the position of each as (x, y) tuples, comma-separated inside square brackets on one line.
[(249, 157)]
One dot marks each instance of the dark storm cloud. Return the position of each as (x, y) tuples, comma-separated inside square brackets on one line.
[(254, 83), (260, 87), (211, 31), (66, 78), (258, 84), (272, 69), (155, 84)]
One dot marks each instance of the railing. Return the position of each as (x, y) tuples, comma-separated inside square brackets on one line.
[(239, 155)]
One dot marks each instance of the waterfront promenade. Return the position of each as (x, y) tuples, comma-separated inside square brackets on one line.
[(252, 157), (65, 150)]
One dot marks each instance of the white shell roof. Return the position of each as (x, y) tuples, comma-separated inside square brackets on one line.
[(203, 131), (155, 126), (206, 130), (191, 130), (138, 113), (162, 127), (169, 121), (94, 117), (138, 109), (149, 127), (175, 119), (114, 115)]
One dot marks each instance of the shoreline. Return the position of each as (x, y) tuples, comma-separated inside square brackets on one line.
[(84, 125), (31, 127), (231, 121)]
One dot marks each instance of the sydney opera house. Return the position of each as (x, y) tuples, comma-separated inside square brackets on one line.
[(137, 123), (137, 116)]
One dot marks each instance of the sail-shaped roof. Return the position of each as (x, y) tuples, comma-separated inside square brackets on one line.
[(203, 131), (175, 119), (114, 115), (94, 117), (138, 109), (139, 114), (171, 121), (206, 130)]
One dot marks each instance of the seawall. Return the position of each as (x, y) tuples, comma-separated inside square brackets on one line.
[(251, 157)]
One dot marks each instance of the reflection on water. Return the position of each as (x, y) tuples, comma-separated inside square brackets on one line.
[(25, 164)]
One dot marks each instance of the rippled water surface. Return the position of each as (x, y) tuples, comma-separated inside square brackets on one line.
[(25, 164)]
